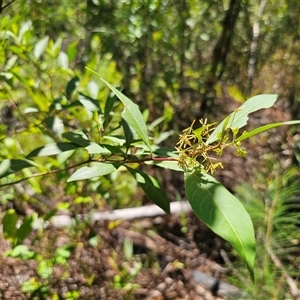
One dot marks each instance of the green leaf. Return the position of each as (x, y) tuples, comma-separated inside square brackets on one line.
[(255, 131), (72, 51), (89, 103), (223, 213), (25, 229), (95, 148), (7, 77), (56, 47), (11, 166), (165, 151), (21, 251), (78, 138), (72, 86), (116, 150), (11, 62), (171, 165), (132, 115), (55, 124), (98, 169), (59, 103), (120, 140), (128, 134), (53, 149), (40, 47), (109, 104), (93, 89), (239, 117), (63, 60), (152, 189), (9, 223), (45, 269)]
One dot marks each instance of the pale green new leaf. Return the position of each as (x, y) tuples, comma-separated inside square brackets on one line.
[(255, 131), (223, 213), (40, 47), (98, 169), (95, 148), (239, 117), (132, 115)]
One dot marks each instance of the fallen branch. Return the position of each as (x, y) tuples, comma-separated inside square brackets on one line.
[(149, 211)]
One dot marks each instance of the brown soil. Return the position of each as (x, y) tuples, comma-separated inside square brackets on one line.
[(163, 258)]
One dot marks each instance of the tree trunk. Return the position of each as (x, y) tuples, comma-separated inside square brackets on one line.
[(219, 55), (253, 47)]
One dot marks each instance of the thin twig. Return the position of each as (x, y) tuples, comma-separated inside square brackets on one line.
[(89, 161), (45, 173), (6, 5)]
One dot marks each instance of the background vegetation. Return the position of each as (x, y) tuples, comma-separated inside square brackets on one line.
[(179, 61)]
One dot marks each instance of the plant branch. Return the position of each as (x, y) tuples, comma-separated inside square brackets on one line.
[(86, 162), (46, 173), (6, 5)]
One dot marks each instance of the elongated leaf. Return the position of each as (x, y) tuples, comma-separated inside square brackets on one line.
[(94, 148), (108, 113), (25, 229), (53, 149), (239, 117), (55, 124), (171, 165), (11, 166), (9, 223), (265, 128), (93, 89), (152, 189), (78, 138), (89, 103), (128, 134), (98, 169), (40, 47), (164, 151), (120, 140), (56, 47), (109, 149), (72, 51), (63, 60), (72, 86), (132, 115), (223, 213)]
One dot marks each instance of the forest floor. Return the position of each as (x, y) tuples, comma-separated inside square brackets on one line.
[(149, 258)]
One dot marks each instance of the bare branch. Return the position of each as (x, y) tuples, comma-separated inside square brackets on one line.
[(118, 214), (6, 5)]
